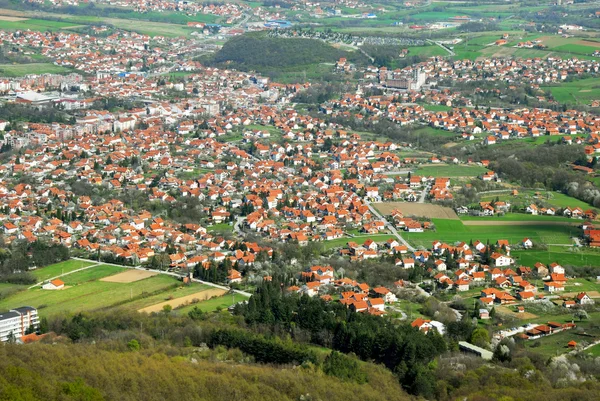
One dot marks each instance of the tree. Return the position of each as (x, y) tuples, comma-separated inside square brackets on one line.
[(167, 309), (134, 344), (480, 337), (581, 314)]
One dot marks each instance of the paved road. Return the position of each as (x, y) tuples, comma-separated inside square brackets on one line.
[(173, 274), (389, 226), (424, 193), (442, 46)]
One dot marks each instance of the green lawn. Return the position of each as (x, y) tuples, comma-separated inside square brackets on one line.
[(558, 254), (57, 269), (451, 231), (521, 217), (220, 227), (171, 293), (91, 274), (451, 171), (557, 343), (35, 25), (579, 91), (18, 70), (595, 350), (526, 197), (359, 239), (213, 304), (86, 296)]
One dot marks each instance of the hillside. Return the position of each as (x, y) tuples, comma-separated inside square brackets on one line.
[(88, 372), (276, 56)]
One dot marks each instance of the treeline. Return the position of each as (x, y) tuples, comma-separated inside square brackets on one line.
[(402, 349), (388, 56), (15, 112), (16, 259)]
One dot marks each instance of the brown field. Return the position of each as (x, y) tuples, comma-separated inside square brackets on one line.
[(417, 209), (591, 294), (523, 316), (12, 13), (200, 296), (129, 276), (11, 19), (516, 223)]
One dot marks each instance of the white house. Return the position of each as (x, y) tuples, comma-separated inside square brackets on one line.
[(55, 284)]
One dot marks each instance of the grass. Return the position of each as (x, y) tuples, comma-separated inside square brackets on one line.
[(171, 293), (525, 197), (579, 91), (594, 351), (359, 239), (87, 296), (18, 70), (521, 217), (451, 171), (452, 231), (556, 344), (57, 269), (561, 255), (34, 24), (222, 302), (220, 227), (91, 274)]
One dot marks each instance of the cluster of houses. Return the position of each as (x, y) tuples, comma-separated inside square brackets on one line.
[(359, 297)]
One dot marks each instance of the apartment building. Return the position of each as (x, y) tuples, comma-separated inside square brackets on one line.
[(17, 321)]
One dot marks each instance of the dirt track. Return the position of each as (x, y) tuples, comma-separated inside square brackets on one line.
[(417, 209), (516, 223), (200, 296), (129, 276)]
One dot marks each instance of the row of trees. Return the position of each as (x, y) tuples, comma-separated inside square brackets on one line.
[(16, 259)]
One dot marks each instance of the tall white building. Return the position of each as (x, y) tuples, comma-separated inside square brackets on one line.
[(17, 321)]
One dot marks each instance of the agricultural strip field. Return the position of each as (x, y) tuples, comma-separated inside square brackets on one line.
[(188, 299), (451, 171), (579, 91), (18, 70), (509, 218), (417, 209), (129, 276), (224, 301), (524, 198), (85, 295), (45, 273), (557, 254), (452, 231)]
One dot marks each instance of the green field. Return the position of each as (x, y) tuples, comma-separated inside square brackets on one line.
[(580, 91), (595, 350), (87, 296), (45, 273), (526, 197), (561, 255), (451, 171), (92, 274), (520, 217), (556, 344), (359, 239), (19, 70), (451, 231), (170, 293), (222, 302), (35, 24)]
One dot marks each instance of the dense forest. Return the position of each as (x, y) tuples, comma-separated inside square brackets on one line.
[(269, 56)]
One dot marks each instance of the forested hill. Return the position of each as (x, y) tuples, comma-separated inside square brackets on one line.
[(92, 373), (258, 52)]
